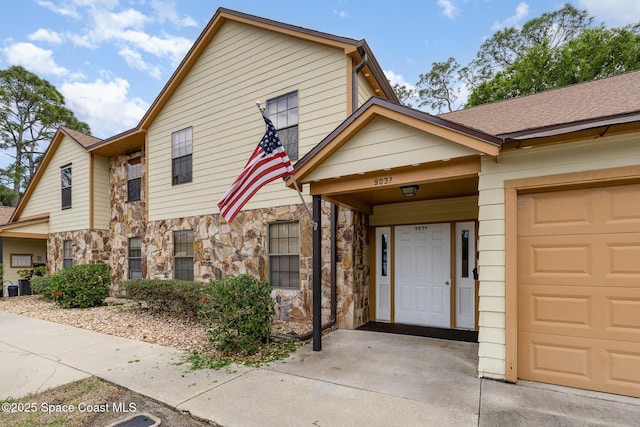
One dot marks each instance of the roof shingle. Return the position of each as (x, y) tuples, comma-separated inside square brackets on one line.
[(599, 98)]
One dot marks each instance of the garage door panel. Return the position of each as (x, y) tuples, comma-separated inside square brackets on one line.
[(572, 361), (611, 259), (603, 312), (623, 212), (612, 209), (549, 213)]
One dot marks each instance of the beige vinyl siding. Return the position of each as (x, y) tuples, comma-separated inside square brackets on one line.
[(101, 193), (364, 90), (38, 228), (46, 197), (461, 208), (37, 248), (572, 157), (242, 65), (384, 143)]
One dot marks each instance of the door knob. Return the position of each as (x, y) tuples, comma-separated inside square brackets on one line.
[(447, 283)]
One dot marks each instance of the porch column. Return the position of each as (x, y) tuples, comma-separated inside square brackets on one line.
[(317, 273)]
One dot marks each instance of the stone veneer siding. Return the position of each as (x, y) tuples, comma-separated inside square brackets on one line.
[(128, 219), (89, 247)]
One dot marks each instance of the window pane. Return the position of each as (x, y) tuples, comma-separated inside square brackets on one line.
[(284, 259), (181, 170), (134, 170), (181, 143), (65, 175), (133, 189)]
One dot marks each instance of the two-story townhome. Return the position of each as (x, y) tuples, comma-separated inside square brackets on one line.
[(515, 223)]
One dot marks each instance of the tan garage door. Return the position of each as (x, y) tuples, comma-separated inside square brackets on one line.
[(579, 288)]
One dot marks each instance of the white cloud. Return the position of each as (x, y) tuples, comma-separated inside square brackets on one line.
[(449, 9), (104, 105), (613, 13), (33, 58), (46, 36), (64, 10), (134, 60), (522, 11), (342, 14), (166, 11)]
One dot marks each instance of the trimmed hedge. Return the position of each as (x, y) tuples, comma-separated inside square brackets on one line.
[(42, 285), (239, 310), (81, 286), (176, 297), (78, 286)]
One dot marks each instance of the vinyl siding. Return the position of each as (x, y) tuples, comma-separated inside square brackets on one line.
[(241, 65), (384, 143), (38, 228), (574, 157), (47, 195), (35, 247), (364, 90), (101, 193)]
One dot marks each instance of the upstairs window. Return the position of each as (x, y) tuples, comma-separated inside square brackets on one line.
[(135, 258), (283, 112), (65, 183), (183, 255), (284, 255), (67, 253), (134, 173), (181, 150)]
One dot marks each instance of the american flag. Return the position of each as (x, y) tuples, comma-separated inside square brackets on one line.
[(268, 162)]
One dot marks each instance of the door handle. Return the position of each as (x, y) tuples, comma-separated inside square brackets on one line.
[(447, 283)]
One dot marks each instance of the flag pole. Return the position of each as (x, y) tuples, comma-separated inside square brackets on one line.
[(263, 111)]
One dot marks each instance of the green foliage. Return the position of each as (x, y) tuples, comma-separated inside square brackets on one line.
[(266, 353), (24, 273), (239, 310), (42, 285), (175, 297), (31, 110), (404, 93), (437, 87), (81, 286)]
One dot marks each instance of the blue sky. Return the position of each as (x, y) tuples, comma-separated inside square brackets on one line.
[(110, 58)]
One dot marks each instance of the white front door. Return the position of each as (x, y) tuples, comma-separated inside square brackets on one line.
[(383, 274), (465, 281), (422, 275)]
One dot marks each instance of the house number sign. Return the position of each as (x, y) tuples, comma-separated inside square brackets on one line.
[(385, 180)]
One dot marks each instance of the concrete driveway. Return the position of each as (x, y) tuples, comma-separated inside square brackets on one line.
[(360, 378)]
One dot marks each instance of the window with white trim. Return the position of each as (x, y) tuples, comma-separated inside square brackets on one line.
[(181, 156), (134, 252), (67, 253), (183, 255), (65, 184), (284, 255), (283, 112)]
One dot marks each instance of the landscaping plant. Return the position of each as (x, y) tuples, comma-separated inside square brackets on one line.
[(239, 311), (81, 286), (175, 297)]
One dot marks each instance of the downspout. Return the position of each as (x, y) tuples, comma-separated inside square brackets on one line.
[(334, 278), (354, 82)]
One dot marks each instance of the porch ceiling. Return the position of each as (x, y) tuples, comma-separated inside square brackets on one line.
[(437, 180)]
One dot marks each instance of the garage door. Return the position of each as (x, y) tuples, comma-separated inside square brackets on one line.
[(579, 288)]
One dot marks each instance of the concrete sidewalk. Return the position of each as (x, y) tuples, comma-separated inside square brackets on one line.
[(360, 378)]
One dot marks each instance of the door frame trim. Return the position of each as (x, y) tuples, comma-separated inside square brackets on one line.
[(514, 187)]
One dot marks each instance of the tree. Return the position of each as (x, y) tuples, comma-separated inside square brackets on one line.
[(540, 38), (437, 88), (31, 109), (404, 93), (593, 54)]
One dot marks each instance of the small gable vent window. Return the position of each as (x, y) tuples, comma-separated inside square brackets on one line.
[(134, 173), (65, 183), (181, 151), (283, 112)]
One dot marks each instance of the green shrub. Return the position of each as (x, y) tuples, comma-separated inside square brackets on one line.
[(239, 310), (81, 286), (175, 297), (42, 285)]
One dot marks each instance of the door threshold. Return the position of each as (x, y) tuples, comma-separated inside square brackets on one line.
[(421, 331)]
